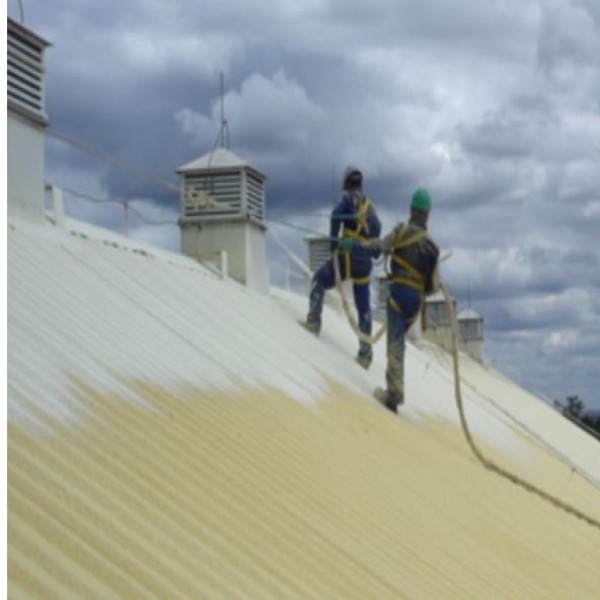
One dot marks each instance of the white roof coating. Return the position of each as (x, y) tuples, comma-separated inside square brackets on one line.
[(172, 434), (219, 158), (108, 295)]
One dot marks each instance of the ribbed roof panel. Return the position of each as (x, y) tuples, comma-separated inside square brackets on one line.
[(172, 435)]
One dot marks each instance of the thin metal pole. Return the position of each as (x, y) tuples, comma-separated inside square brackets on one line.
[(222, 113), (126, 207)]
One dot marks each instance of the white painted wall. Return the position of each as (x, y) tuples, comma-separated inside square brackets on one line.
[(25, 167), (474, 348), (256, 258), (440, 335), (243, 241)]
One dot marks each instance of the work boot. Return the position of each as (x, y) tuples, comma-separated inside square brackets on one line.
[(365, 355), (387, 399), (313, 326), (364, 361)]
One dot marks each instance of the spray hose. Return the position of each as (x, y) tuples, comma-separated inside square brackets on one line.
[(363, 337), (486, 462)]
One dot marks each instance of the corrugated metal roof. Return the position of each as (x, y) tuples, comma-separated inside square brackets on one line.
[(172, 435)]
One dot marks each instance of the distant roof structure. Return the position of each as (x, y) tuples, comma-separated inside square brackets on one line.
[(220, 158), (171, 434), (25, 72), (468, 314), (437, 297), (25, 31)]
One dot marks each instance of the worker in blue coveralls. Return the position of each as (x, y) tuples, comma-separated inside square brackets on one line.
[(355, 214), (413, 276)]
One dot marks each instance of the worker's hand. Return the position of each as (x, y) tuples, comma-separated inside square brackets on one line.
[(345, 245)]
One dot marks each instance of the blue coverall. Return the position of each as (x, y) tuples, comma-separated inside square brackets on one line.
[(350, 215), (412, 278)]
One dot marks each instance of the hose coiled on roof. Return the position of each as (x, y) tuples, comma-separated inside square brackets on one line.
[(486, 462)]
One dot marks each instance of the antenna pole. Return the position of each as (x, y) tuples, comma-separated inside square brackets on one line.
[(223, 123), (21, 12), (469, 293), (333, 188)]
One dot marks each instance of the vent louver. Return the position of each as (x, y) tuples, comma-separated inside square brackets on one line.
[(25, 66), (319, 252), (213, 195), (237, 193)]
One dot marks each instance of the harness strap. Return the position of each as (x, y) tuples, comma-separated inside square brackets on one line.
[(410, 241), (357, 235), (404, 264), (413, 277), (361, 280), (361, 232), (361, 216), (418, 285), (354, 234)]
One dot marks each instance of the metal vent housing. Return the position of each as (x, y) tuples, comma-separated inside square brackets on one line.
[(25, 72)]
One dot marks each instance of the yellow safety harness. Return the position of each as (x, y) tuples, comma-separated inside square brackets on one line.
[(360, 234), (413, 277)]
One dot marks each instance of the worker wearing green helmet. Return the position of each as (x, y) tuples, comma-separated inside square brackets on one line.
[(413, 275), (421, 200)]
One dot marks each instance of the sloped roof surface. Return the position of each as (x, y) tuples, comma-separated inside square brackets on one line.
[(173, 435)]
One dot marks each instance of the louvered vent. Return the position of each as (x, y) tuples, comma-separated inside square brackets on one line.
[(319, 251), (215, 195), (383, 291), (221, 194), (25, 86), (470, 329), (436, 311), (255, 196)]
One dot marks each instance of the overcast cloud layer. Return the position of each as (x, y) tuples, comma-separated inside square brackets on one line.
[(494, 106)]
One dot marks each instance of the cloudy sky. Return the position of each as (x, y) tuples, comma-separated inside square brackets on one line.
[(494, 106)]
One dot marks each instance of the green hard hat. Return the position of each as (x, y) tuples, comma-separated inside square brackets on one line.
[(421, 200)]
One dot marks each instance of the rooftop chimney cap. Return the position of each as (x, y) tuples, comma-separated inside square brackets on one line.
[(218, 159), (17, 27), (469, 315)]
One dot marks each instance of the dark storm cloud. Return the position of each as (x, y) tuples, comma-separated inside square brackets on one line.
[(501, 136), (591, 7)]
